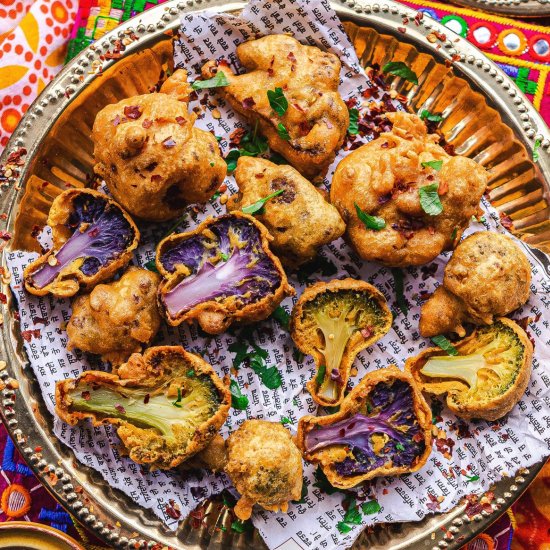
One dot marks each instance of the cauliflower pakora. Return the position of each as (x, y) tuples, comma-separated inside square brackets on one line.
[(152, 158), (265, 466), (395, 178), (300, 219), (219, 273), (167, 404), (116, 319), (488, 275), (93, 237), (383, 428), (486, 378), (316, 119), (333, 322)]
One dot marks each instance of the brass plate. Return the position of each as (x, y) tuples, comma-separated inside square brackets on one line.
[(486, 118), (26, 535)]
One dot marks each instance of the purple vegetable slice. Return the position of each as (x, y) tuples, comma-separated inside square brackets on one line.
[(383, 428), (221, 272), (93, 238)]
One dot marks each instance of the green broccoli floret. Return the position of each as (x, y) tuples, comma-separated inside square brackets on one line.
[(488, 362)]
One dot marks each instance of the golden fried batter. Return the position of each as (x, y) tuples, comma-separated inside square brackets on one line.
[(300, 220), (265, 466), (116, 319), (151, 157), (488, 276), (316, 119), (383, 178)]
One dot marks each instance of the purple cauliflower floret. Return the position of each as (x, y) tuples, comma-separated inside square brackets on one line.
[(101, 234), (390, 412), (236, 266)]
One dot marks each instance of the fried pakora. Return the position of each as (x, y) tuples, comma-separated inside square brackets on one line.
[(333, 322), (421, 198), (167, 404), (221, 272), (152, 158), (383, 428), (299, 219), (487, 376), (265, 466), (93, 237), (116, 319), (487, 276), (311, 119)]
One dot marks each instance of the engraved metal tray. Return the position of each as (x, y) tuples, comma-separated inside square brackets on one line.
[(486, 118), (513, 8)]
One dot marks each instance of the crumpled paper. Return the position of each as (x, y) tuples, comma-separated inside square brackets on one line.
[(466, 457)]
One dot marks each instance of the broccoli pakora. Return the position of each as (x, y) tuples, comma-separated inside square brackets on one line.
[(219, 273), (93, 237), (488, 375), (310, 120), (299, 219), (383, 428), (167, 404), (333, 322), (422, 199), (116, 319), (488, 275), (265, 466), (152, 158)]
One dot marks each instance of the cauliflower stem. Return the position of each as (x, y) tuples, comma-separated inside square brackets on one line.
[(464, 367)]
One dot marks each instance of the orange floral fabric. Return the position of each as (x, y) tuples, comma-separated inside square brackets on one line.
[(33, 39)]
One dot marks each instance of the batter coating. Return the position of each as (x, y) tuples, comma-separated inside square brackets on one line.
[(383, 179)]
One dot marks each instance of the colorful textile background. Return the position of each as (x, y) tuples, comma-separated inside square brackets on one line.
[(36, 36)]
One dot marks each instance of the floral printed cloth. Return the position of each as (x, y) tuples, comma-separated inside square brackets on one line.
[(36, 36)]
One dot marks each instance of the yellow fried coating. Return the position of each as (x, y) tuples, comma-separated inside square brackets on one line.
[(488, 276), (265, 466), (116, 319), (167, 404), (300, 219), (383, 178), (150, 155), (316, 119)]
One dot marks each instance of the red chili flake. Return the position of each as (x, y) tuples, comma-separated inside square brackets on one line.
[(5, 235), (181, 120), (3, 216), (3, 298), (120, 408), (156, 178), (236, 135), (298, 108), (146, 399), (38, 449), (402, 30), (169, 143), (431, 230), (366, 332), (291, 57), (86, 395), (112, 55), (28, 335), (417, 437), (270, 72), (444, 445), (351, 102), (94, 232), (304, 127), (506, 221), (116, 120), (221, 189), (133, 111), (147, 123), (455, 58), (39, 320), (443, 188), (248, 103), (172, 509), (258, 176), (15, 157)]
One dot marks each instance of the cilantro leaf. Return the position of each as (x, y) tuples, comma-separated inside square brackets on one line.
[(536, 147), (278, 101), (151, 266), (426, 115), (282, 317), (471, 479), (400, 290), (370, 507), (353, 515), (398, 68), (252, 144), (442, 342), (241, 526), (258, 205), (177, 402), (231, 159), (224, 256), (435, 164), (285, 420), (353, 128), (429, 199), (371, 222), (241, 353), (282, 131), (238, 400), (343, 527), (270, 376), (217, 81), (321, 482), (320, 377)]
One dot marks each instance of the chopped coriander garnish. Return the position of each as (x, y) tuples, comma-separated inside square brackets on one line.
[(435, 164), (442, 342), (282, 131), (536, 147), (429, 199), (151, 266), (320, 377), (426, 115), (258, 205), (241, 526), (241, 353), (231, 159), (400, 290), (398, 68), (217, 81), (285, 420), (399, 447), (454, 234), (353, 128), (224, 256), (270, 376), (321, 482), (190, 373), (278, 101), (353, 515), (177, 402), (282, 317), (471, 479), (211, 164), (216, 195), (371, 222), (238, 400), (370, 507), (343, 527)]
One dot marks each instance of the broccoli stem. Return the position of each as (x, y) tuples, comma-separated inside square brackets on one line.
[(463, 367)]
